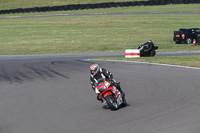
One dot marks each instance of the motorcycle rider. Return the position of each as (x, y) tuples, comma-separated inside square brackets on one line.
[(149, 47), (97, 73)]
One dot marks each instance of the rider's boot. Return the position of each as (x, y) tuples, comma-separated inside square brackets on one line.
[(123, 93), (117, 85)]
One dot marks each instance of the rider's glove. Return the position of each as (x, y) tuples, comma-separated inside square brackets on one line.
[(113, 81)]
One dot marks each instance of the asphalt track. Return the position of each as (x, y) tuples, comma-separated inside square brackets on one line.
[(52, 94)]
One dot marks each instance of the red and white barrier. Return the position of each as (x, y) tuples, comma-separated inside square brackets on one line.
[(132, 53)]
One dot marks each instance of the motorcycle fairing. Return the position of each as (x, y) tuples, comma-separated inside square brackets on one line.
[(118, 95)]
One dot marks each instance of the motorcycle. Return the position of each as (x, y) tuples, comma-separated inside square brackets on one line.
[(110, 94), (144, 52)]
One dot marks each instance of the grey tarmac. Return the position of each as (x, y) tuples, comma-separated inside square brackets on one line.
[(52, 94)]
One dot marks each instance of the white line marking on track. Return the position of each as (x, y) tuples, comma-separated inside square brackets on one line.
[(177, 66)]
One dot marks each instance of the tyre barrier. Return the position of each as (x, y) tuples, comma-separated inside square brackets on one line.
[(98, 5)]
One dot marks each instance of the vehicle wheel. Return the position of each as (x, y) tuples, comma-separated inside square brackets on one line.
[(188, 40), (111, 101), (153, 53)]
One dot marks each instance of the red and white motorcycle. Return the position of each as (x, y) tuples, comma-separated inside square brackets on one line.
[(110, 94)]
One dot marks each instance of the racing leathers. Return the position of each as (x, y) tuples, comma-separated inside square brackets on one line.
[(103, 73), (149, 47)]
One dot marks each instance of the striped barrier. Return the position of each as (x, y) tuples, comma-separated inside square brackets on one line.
[(132, 53)]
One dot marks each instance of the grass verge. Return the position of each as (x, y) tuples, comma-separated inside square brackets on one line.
[(190, 61), (13, 4), (89, 34), (135, 9)]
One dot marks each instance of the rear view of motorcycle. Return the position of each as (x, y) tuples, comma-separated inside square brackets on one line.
[(147, 49), (110, 94)]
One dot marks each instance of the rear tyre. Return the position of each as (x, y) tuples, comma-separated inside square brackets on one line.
[(188, 40), (112, 102), (153, 53)]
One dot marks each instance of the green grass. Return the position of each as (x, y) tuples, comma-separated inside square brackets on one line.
[(135, 9), (190, 61), (88, 34), (13, 4)]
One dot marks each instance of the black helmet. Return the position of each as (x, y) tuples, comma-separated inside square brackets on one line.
[(94, 69), (149, 41)]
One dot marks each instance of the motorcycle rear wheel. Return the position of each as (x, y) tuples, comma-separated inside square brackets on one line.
[(112, 102), (153, 53)]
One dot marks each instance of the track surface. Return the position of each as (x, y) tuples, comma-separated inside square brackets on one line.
[(52, 94), (104, 14)]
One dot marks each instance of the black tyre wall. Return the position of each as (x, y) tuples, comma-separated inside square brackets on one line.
[(98, 5)]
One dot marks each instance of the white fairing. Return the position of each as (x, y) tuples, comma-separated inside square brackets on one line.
[(119, 95), (96, 90)]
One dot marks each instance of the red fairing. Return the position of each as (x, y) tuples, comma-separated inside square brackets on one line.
[(117, 94), (108, 86), (107, 93)]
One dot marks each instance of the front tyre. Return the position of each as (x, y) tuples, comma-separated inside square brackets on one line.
[(112, 102)]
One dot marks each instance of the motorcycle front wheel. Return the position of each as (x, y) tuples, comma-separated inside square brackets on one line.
[(112, 102)]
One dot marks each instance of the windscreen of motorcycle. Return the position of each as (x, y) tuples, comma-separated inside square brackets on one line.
[(101, 85)]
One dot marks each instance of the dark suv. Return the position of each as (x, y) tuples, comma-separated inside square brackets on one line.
[(186, 35)]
